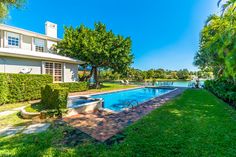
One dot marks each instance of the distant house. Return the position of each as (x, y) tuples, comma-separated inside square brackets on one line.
[(23, 51)]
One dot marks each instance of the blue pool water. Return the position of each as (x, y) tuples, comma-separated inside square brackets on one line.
[(117, 101)]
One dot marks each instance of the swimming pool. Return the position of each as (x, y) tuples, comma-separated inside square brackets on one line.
[(118, 101)]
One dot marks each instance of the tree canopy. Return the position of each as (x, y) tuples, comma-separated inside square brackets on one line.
[(144, 75), (217, 43), (5, 5), (99, 48)]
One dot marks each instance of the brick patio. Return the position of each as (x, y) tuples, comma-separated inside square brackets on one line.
[(103, 125)]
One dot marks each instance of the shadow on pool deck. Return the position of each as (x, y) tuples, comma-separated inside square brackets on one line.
[(102, 125)]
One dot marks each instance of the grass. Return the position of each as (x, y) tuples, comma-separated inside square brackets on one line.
[(194, 124), (12, 120), (111, 87), (12, 106), (37, 107)]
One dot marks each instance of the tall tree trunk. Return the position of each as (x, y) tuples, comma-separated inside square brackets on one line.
[(86, 78), (97, 84)]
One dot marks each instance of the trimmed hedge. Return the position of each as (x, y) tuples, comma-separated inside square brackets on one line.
[(75, 86), (22, 87), (4, 92), (54, 96), (222, 88)]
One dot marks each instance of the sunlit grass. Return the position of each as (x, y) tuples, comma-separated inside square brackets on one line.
[(110, 87), (12, 120), (12, 106)]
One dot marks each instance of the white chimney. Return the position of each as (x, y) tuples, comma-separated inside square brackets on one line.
[(51, 29)]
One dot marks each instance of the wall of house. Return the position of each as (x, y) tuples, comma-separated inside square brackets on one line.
[(50, 44), (1, 38), (26, 43), (16, 65), (70, 72)]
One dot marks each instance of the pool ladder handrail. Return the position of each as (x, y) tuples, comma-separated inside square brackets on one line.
[(129, 105)]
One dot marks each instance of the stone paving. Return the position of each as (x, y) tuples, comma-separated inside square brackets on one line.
[(11, 111), (11, 130), (103, 125), (5, 113), (34, 128)]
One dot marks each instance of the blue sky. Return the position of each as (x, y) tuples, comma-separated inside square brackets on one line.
[(165, 33)]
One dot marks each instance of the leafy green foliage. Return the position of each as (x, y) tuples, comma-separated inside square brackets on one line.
[(4, 90), (75, 86), (183, 74), (22, 87), (98, 47), (217, 45), (54, 96), (5, 5), (223, 88), (141, 75)]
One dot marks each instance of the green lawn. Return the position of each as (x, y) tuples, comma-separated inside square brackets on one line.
[(36, 107), (13, 120), (112, 86), (12, 106), (194, 124)]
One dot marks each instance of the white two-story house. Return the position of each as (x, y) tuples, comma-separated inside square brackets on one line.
[(23, 51)]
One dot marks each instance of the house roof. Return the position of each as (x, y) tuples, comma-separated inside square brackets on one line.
[(26, 32), (20, 53)]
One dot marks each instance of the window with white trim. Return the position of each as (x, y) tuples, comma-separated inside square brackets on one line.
[(48, 68), (57, 72), (54, 69), (39, 45), (13, 39)]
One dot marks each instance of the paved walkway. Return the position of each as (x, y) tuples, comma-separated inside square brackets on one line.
[(11, 111), (34, 128), (103, 125), (11, 130)]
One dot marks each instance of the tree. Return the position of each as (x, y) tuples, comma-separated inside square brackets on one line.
[(183, 74), (227, 5), (217, 45), (5, 5), (150, 73), (98, 47)]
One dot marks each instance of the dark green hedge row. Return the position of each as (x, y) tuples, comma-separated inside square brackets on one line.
[(21, 87), (54, 96), (4, 90), (222, 88), (75, 86)]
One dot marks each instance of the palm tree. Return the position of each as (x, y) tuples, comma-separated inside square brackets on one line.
[(5, 5), (228, 4)]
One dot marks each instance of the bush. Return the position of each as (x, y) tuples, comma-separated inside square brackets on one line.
[(222, 88), (75, 86), (54, 96), (22, 87), (3, 89)]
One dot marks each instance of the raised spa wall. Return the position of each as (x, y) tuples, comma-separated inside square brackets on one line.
[(86, 108)]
